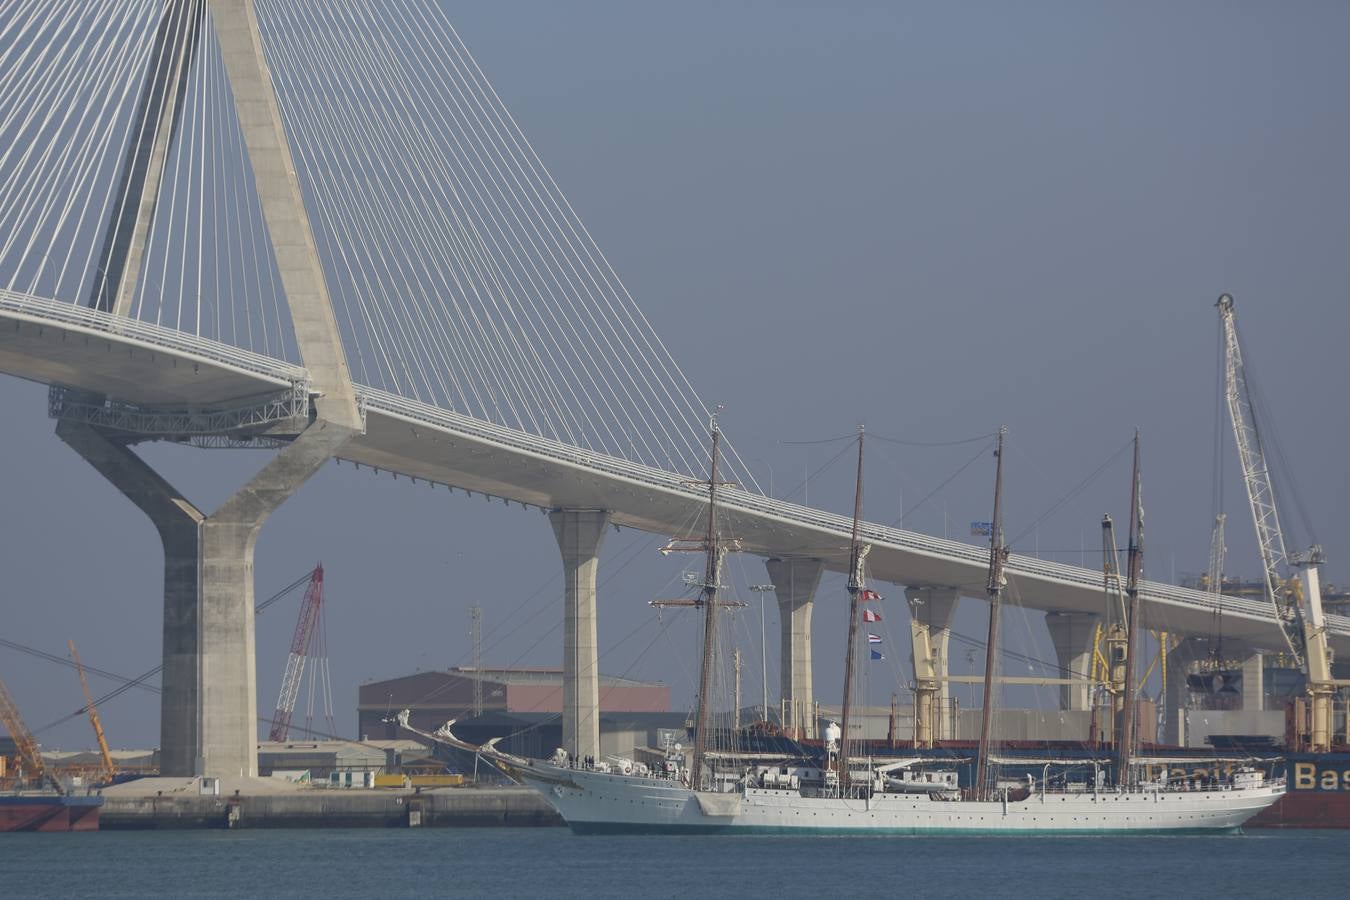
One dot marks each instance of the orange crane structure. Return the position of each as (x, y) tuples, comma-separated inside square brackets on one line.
[(109, 767), (29, 755)]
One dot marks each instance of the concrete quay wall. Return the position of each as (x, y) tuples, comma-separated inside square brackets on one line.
[(333, 808)]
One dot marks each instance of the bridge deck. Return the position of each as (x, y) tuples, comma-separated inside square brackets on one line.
[(133, 361), (56, 343)]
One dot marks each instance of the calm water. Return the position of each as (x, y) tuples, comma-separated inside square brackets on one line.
[(552, 863)]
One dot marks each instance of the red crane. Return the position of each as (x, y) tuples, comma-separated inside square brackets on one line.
[(310, 640)]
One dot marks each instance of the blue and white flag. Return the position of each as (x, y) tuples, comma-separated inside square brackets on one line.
[(877, 654)]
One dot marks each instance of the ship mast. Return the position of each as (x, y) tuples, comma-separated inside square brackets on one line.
[(1134, 569), (855, 587), (998, 555), (708, 600)]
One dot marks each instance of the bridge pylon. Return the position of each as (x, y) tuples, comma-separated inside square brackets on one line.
[(795, 582), (930, 627), (580, 532), (209, 721)]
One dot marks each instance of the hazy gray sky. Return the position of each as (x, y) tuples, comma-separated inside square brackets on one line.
[(932, 218)]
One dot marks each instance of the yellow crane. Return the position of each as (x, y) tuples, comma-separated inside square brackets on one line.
[(109, 768), (29, 756)]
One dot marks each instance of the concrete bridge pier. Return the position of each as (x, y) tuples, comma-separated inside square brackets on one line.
[(209, 707), (930, 621), (579, 533), (794, 584), (1253, 681), (1073, 635), (1176, 698)]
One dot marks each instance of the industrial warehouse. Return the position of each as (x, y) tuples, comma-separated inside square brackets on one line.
[(522, 706)]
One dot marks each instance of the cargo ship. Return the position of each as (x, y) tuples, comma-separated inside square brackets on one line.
[(48, 812), (1318, 793)]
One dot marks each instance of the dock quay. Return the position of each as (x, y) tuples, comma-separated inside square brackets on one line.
[(178, 803)]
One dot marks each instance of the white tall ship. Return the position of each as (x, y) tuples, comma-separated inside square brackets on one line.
[(707, 791), (795, 800)]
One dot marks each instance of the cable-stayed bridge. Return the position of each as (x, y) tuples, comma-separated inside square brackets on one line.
[(316, 227)]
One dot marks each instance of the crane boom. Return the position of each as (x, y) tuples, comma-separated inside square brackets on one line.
[(1260, 490), (109, 767), (295, 663), (1297, 601), (23, 738)]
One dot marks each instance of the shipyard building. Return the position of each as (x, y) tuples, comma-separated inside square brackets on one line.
[(522, 706)]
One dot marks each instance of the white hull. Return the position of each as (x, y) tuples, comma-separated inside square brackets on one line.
[(593, 802)]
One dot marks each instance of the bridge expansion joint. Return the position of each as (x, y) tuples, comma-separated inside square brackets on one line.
[(260, 420)]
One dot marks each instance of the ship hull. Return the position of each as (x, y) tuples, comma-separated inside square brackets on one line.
[(42, 812), (1305, 809), (603, 803)]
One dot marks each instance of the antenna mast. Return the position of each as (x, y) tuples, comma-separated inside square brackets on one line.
[(476, 635)]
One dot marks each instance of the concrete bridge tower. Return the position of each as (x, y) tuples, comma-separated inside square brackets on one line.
[(209, 718)]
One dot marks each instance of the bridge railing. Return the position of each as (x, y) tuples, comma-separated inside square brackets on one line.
[(979, 556), (47, 312), (747, 501)]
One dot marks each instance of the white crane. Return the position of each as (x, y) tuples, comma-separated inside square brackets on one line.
[(1291, 582)]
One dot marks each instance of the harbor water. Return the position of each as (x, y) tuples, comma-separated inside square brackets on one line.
[(551, 862)]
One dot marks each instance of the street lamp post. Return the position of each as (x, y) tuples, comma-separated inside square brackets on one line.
[(763, 589), (768, 465)]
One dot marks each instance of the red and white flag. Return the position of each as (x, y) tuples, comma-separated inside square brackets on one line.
[(871, 616), (868, 595)]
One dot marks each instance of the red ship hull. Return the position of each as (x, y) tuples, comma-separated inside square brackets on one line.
[(49, 813), (1306, 809)]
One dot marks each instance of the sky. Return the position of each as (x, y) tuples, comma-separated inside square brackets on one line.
[(931, 219)]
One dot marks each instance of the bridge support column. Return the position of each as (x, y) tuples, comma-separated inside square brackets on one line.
[(209, 707), (1072, 634), (930, 620), (580, 532), (794, 585), (1176, 698), (1253, 681)]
